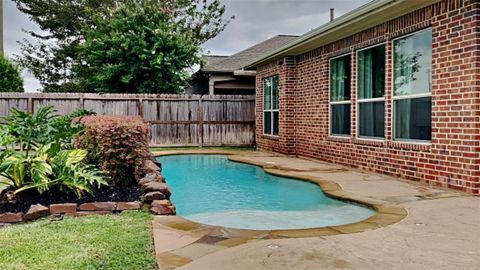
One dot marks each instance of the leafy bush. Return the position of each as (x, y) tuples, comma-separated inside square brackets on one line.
[(45, 158), (119, 144), (46, 168), (45, 126), (10, 79)]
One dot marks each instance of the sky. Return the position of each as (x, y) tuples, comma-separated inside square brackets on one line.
[(255, 21)]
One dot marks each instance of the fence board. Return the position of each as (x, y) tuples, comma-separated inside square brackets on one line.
[(180, 120)]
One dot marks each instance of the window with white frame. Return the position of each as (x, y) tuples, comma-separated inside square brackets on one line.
[(270, 105), (371, 91), (412, 87), (340, 69)]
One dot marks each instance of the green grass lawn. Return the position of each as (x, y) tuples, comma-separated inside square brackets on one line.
[(94, 242), (228, 148)]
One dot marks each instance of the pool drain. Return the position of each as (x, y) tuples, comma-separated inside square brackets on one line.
[(273, 246)]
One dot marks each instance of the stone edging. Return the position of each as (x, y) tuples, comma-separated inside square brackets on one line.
[(385, 214), (69, 209)]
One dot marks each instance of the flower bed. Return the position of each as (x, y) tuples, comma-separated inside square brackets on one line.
[(129, 179)]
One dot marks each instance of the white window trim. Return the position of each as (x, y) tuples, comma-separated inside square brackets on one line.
[(410, 96), (330, 103), (369, 100), (271, 110)]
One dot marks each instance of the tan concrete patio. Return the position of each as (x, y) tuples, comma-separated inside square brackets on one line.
[(441, 230)]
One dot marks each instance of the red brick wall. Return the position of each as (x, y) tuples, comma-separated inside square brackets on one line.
[(285, 142), (453, 157)]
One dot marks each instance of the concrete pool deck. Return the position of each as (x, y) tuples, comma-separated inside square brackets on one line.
[(439, 232)]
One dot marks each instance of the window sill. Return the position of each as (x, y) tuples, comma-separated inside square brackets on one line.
[(271, 137), (370, 141), (411, 145), (337, 138)]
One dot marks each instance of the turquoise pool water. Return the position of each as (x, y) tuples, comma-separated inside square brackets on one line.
[(210, 189)]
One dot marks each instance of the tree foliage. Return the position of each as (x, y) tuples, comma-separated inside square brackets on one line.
[(137, 49), (55, 58), (10, 79), (54, 51)]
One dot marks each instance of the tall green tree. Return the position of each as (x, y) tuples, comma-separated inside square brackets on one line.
[(10, 79), (54, 55), (53, 51), (138, 49)]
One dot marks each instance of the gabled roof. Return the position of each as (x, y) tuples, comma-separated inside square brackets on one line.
[(240, 59), (362, 18)]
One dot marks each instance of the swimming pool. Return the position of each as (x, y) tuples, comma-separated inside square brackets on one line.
[(212, 190)]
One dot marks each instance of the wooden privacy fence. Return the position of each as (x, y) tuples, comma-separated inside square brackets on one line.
[(177, 120)]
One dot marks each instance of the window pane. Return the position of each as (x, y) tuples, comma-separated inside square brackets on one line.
[(267, 123), (371, 72), (372, 119), (275, 123), (413, 118), (413, 64), (267, 91), (340, 122), (275, 92), (340, 78)]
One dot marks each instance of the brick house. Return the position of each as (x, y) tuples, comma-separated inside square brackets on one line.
[(392, 87)]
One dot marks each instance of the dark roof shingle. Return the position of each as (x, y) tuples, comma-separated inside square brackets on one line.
[(240, 59)]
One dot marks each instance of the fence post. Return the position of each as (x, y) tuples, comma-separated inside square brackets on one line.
[(200, 121), (140, 107), (82, 101), (30, 105)]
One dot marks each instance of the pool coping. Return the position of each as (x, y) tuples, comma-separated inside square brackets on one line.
[(384, 214)]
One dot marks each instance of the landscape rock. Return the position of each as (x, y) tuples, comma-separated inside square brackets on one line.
[(150, 167), (162, 210), (152, 177), (98, 206), (36, 211), (157, 162), (154, 195), (10, 217), (156, 186), (161, 202), (121, 206), (63, 208), (163, 207)]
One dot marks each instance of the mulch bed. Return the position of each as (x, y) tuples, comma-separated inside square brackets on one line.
[(103, 194)]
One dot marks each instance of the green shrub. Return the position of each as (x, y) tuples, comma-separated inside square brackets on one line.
[(10, 79), (46, 168), (119, 144), (26, 130), (45, 158)]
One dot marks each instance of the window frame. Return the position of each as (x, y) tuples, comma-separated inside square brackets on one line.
[(330, 102), (370, 100), (409, 96), (271, 111)]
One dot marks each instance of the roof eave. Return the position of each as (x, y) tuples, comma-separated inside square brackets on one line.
[(360, 19)]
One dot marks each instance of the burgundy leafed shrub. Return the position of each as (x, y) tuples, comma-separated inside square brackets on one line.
[(118, 144)]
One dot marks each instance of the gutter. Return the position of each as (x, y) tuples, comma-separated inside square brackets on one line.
[(242, 72)]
